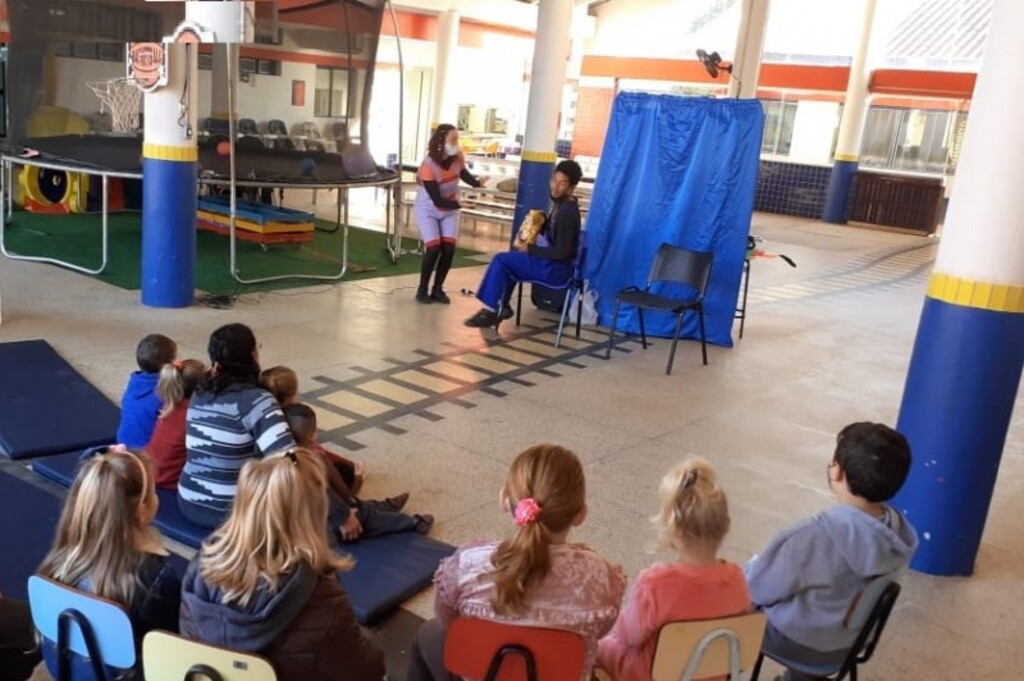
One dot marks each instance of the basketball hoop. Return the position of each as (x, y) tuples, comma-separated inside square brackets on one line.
[(120, 97)]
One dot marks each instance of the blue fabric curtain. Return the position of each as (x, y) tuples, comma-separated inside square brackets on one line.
[(678, 170)]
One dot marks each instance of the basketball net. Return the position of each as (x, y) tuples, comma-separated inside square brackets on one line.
[(120, 97)]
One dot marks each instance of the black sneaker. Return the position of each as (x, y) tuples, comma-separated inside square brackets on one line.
[(423, 297), (482, 319), (424, 521), (397, 503), (439, 296), (506, 313)]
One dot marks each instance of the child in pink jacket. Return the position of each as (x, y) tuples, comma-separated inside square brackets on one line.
[(693, 521)]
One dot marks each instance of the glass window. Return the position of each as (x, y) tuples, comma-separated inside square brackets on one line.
[(322, 95), (331, 95), (778, 127)]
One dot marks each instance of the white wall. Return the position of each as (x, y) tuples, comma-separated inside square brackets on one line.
[(813, 131), (662, 29)]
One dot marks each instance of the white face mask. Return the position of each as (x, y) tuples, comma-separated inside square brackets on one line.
[(451, 149)]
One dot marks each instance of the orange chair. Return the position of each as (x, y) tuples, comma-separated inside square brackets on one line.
[(492, 651)]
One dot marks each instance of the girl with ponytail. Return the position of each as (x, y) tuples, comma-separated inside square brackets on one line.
[(692, 522), (177, 381), (535, 577)]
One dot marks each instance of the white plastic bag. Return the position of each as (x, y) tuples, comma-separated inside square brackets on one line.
[(589, 315)]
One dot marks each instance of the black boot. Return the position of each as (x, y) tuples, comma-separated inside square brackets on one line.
[(430, 257), (444, 264)]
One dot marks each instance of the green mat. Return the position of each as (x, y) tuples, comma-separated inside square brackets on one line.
[(76, 239)]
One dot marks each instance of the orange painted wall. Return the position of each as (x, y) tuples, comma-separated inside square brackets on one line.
[(593, 111)]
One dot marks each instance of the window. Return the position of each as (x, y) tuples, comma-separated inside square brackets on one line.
[(778, 127), (100, 51), (920, 140), (331, 95)]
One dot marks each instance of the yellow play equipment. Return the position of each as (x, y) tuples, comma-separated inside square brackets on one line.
[(43, 190)]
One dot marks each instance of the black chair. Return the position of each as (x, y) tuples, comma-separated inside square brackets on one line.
[(868, 615), (247, 126), (672, 264), (276, 127)]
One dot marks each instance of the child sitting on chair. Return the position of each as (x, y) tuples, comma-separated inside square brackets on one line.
[(140, 405), (535, 577), (283, 384), (693, 522), (809, 575), (105, 544), (266, 581), (354, 518), (178, 380)]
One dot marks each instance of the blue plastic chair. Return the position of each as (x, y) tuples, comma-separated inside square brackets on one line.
[(91, 637), (868, 615), (575, 283)]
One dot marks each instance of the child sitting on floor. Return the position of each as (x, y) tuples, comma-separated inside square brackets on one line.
[(140, 405), (178, 380), (535, 577), (105, 544), (809, 575), (355, 517), (693, 521), (283, 384)]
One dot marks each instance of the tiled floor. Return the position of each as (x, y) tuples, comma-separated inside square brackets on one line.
[(431, 406)]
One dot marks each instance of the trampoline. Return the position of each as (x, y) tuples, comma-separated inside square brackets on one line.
[(248, 165)]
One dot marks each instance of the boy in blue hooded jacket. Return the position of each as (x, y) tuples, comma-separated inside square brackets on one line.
[(140, 406), (808, 576)]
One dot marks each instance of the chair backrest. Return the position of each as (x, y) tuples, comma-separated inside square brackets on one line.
[(276, 126), (681, 266), (82, 623), (166, 657), (494, 651), (868, 616), (706, 648), (247, 126)]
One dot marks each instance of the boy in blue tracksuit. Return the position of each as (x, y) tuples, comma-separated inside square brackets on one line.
[(809, 575), (140, 406)]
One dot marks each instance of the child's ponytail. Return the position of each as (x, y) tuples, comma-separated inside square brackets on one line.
[(177, 381), (546, 492)]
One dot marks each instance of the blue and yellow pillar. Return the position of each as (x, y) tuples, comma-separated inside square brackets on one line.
[(170, 185), (851, 126), (547, 80), (966, 367)]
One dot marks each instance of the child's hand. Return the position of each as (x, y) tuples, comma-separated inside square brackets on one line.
[(352, 528)]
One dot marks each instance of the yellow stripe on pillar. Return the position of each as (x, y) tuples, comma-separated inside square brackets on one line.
[(164, 152), (540, 156), (982, 295)]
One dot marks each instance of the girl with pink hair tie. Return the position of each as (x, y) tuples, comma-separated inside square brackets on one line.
[(535, 577)]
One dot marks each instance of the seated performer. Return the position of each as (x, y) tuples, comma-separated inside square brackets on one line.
[(548, 261)]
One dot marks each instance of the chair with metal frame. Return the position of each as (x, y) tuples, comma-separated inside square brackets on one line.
[(167, 657), (868, 615), (496, 651), (673, 265)]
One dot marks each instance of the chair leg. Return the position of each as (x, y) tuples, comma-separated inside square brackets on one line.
[(643, 333), (703, 338), (519, 303), (611, 330), (579, 309), (757, 668), (561, 319), (675, 342)]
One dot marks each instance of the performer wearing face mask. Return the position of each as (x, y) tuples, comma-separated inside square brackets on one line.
[(437, 209)]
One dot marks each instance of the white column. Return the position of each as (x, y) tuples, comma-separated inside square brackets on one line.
[(851, 127), (749, 47), (161, 126), (228, 20), (550, 61), (444, 108)]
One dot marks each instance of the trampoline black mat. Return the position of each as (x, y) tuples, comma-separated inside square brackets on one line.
[(272, 166)]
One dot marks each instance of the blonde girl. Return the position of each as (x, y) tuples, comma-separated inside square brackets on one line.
[(178, 380), (692, 523), (105, 543), (535, 576), (266, 580)]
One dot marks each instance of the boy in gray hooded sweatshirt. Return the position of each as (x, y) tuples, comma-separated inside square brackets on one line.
[(808, 576)]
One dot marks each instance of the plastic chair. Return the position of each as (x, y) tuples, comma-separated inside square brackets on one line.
[(167, 657), (708, 648), (276, 126), (868, 616), (494, 651), (90, 634), (672, 264), (246, 126), (575, 283)]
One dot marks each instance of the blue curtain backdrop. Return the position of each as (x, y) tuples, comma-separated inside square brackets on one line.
[(680, 170)]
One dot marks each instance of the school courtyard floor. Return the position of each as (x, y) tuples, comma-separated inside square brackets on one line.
[(439, 410)]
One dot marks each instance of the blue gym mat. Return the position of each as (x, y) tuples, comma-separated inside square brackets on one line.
[(389, 569), (29, 519), (48, 407)]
